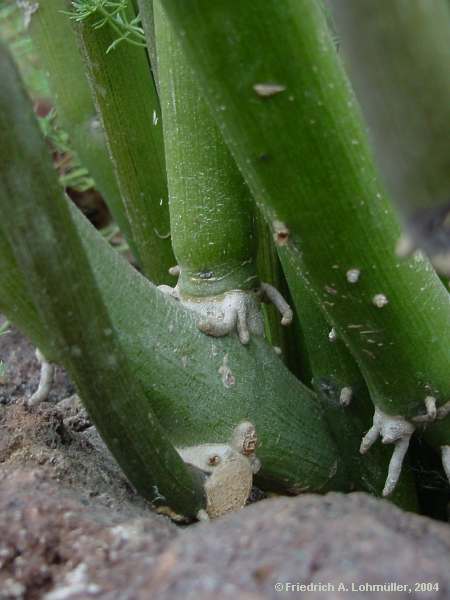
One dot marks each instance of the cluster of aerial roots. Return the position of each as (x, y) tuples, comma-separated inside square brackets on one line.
[(395, 429), (398, 431), (234, 310)]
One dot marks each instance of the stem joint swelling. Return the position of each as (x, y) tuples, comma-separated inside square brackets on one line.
[(239, 310), (229, 469)]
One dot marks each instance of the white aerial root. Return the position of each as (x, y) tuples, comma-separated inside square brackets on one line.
[(443, 410), (431, 411), (392, 430), (45, 381), (236, 310), (230, 467), (445, 450), (270, 294)]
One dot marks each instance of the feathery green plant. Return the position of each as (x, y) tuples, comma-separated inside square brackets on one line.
[(113, 13)]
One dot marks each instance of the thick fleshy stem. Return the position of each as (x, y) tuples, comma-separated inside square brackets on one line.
[(211, 214), (341, 390), (128, 108), (45, 381)]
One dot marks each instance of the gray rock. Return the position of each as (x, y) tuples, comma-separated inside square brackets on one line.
[(353, 539), (74, 415), (53, 545)]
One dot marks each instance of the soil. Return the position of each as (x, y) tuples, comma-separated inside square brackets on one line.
[(71, 526)]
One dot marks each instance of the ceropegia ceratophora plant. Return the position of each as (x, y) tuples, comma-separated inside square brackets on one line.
[(214, 123), (378, 304), (212, 388)]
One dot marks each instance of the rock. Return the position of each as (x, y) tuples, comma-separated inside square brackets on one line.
[(92, 437), (55, 546), (323, 539), (74, 415)]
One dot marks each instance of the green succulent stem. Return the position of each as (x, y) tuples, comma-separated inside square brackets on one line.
[(128, 106), (194, 145), (148, 22), (291, 121), (198, 388), (69, 303), (333, 370), (211, 212), (58, 53)]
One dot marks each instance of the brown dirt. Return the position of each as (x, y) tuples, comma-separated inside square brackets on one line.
[(22, 371), (55, 436)]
